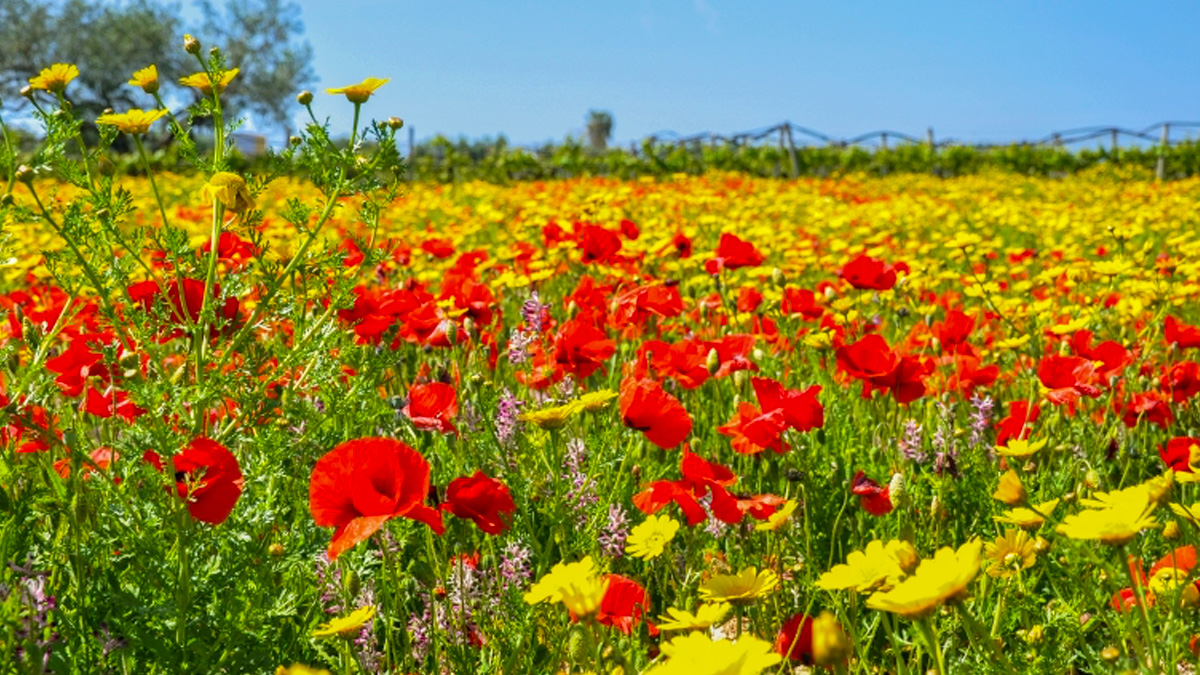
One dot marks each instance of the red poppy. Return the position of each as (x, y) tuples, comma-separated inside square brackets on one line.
[(801, 410), (581, 349), (1148, 406), (431, 407), (733, 353), (954, 330), (865, 272), (101, 458), (753, 431), (484, 501), (1181, 382), (1067, 378), (208, 477), (646, 407), (1182, 559), (795, 639), (682, 245), (733, 253), (874, 498), (360, 484), (1018, 424), (731, 509), (115, 402), (1180, 453), (597, 243), (1181, 334), (699, 477), (748, 299), (438, 248), (75, 365), (685, 361), (801, 301), (906, 381), (625, 603), (869, 357), (232, 249)]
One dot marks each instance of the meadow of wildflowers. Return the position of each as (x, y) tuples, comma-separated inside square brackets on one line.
[(317, 419)]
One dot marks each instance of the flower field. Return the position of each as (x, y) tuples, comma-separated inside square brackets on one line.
[(319, 418)]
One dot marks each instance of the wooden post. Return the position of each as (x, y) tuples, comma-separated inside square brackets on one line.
[(792, 152), (1056, 139), (1115, 145), (883, 141), (929, 138), (1161, 169)]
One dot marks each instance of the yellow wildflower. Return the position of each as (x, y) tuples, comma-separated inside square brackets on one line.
[(576, 585), (1010, 553), (864, 571), (706, 616), (904, 554), (202, 82), (779, 518), (650, 538), (1020, 448), (942, 578), (300, 669), (359, 93), (595, 400), (1113, 525), (133, 121), (739, 589), (698, 654), (551, 418), (146, 78), (1010, 491), (347, 626), (230, 189), (830, 645), (55, 78), (1029, 518)]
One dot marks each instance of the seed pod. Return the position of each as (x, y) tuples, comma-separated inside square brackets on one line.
[(896, 490)]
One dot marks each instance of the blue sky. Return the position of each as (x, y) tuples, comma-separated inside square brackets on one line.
[(973, 70)]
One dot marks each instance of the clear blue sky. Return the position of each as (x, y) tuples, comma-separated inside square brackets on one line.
[(973, 70)]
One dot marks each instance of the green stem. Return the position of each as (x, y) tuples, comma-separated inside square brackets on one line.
[(8, 150), (976, 630), (929, 634), (901, 667)]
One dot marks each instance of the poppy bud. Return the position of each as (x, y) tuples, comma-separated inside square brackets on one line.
[(896, 489), (1110, 653), (304, 97), (713, 362), (637, 471), (778, 278), (24, 174), (1091, 479), (191, 45), (758, 354), (739, 379), (468, 326), (572, 310), (830, 645), (395, 123)]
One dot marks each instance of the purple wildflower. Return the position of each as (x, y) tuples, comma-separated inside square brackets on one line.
[(507, 424), (582, 493), (981, 418), (514, 565), (910, 443), (612, 539)]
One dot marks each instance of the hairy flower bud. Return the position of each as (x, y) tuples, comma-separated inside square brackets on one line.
[(6, 199), (304, 97), (395, 123), (27, 91), (24, 174), (191, 45)]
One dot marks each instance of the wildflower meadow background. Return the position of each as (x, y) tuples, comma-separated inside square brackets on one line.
[(308, 416)]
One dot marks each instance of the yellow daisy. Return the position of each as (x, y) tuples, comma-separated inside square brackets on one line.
[(1010, 491), (595, 400), (698, 654), (230, 189), (133, 121), (650, 538), (577, 585), (1029, 518), (739, 589), (1010, 553), (1020, 448), (202, 82), (359, 93), (864, 571), (1114, 525), (55, 78), (778, 519), (347, 626), (146, 78), (706, 616), (940, 579), (551, 418)]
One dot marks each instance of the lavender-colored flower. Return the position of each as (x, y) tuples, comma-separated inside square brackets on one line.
[(612, 538), (507, 424), (531, 312), (329, 583), (981, 419), (514, 565), (366, 644), (518, 346), (910, 443), (582, 493), (945, 446)]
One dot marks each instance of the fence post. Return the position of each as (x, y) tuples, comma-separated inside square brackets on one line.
[(883, 140), (792, 151), (929, 138), (1115, 146), (1161, 169)]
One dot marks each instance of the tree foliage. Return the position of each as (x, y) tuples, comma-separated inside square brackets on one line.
[(110, 40)]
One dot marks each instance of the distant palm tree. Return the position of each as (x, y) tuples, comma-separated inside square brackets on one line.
[(599, 129)]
